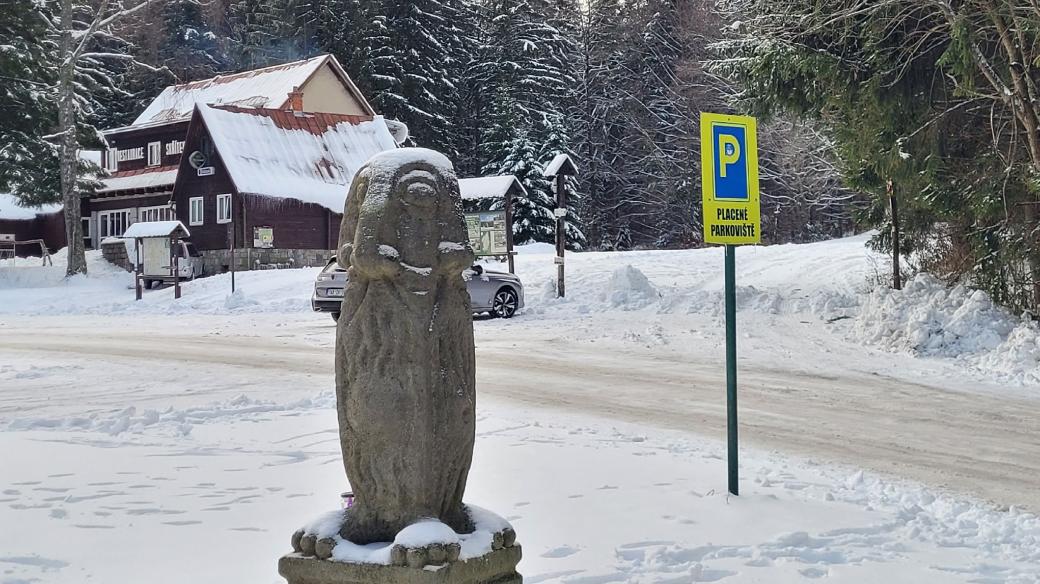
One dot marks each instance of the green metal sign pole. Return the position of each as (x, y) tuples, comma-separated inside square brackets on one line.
[(731, 366)]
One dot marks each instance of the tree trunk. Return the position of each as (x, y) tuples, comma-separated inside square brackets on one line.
[(68, 149), (1029, 216), (897, 280)]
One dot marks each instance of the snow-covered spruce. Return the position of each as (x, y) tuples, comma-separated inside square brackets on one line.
[(427, 542)]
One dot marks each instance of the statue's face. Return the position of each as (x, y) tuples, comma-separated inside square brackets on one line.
[(418, 188)]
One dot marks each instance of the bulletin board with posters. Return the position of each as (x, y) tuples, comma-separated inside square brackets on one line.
[(487, 233)]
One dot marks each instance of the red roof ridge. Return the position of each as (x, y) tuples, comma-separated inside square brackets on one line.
[(313, 122), (138, 171)]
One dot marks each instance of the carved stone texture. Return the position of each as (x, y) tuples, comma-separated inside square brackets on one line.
[(405, 378)]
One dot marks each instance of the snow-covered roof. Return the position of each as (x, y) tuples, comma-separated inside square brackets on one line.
[(488, 187), (311, 157), (561, 162), (10, 209), (156, 229), (140, 179), (268, 87)]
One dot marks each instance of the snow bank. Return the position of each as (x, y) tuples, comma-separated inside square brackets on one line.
[(929, 319), (648, 297), (169, 421), (30, 288), (107, 289)]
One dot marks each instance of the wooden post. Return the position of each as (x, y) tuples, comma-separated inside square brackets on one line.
[(897, 282), (176, 268), (509, 230), (138, 267), (561, 235), (231, 245)]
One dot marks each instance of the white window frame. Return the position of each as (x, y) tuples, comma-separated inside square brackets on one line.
[(224, 208), (110, 222), (154, 153), (157, 213), (200, 217), (112, 160)]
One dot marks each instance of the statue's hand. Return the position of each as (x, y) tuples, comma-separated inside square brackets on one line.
[(343, 255), (376, 261), (455, 257)]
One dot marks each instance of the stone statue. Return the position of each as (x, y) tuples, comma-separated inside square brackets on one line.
[(405, 373), (405, 382)]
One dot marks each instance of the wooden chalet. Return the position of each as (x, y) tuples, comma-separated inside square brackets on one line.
[(143, 158), (270, 182), (258, 162)]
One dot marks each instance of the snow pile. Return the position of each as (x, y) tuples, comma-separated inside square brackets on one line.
[(417, 535), (629, 289), (108, 290), (929, 319), (29, 287)]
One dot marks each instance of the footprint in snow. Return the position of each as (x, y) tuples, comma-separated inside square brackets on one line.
[(562, 551), (814, 572)]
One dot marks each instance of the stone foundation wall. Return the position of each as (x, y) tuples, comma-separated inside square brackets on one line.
[(114, 252), (219, 261)]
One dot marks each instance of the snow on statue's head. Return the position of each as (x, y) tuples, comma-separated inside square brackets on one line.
[(405, 376)]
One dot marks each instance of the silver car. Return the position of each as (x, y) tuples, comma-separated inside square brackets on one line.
[(499, 294)]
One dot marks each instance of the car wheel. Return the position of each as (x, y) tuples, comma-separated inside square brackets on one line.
[(335, 316), (505, 303), (192, 275)]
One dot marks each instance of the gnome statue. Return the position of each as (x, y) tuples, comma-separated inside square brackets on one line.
[(405, 374)]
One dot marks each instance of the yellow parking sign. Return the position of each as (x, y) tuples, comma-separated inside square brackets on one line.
[(729, 175)]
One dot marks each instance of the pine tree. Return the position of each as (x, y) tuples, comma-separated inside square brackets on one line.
[(189, 48), (254, 31), (526, 65), (533, 219), (28, 162)]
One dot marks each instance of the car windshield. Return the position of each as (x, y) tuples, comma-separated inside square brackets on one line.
[(332, 266)]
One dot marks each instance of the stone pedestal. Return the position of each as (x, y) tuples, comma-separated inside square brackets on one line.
[(497, 567)]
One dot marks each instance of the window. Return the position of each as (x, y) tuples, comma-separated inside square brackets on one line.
[(86, 233), (195, 211), (154, 153), (111, 160), (114, 223), (223, 208), (161, 213)]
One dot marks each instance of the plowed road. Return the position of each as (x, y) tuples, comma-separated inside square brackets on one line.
[(982, 445)]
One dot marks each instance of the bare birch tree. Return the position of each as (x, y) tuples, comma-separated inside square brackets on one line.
[(82, 29)]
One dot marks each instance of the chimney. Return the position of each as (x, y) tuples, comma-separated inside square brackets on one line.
[(296, 100)]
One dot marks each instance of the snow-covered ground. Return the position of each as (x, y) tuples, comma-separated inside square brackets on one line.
[(185, 440)]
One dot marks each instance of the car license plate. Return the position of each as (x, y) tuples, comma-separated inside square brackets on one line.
[(336, 292)]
